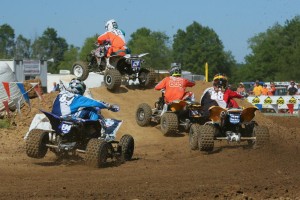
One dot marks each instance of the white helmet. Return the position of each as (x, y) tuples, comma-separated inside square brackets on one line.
[(111, 25)]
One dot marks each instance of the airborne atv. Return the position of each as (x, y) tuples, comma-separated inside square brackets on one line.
[(233, 125), (122, 68), (172, 116), (65, 136)]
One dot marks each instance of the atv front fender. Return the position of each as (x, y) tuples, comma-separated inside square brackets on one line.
[(40, 121)]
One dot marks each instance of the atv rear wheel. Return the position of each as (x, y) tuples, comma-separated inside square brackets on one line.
[(193, 136), (36, 143), (206, 138), (80, 70), (126, 147), (169, 123), (143, 114), (261, 133), (96, 153), (146, 77), (112, 79)]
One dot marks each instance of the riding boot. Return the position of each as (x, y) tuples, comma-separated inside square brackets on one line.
[(108, 65)]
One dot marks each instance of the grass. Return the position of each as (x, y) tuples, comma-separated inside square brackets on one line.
[(4, 123)]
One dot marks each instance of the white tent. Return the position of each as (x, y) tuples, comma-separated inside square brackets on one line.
[(7, 75)]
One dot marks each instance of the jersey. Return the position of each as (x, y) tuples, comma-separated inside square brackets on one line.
[(212, 97), (174, 87), (67, 103), (116, 38)]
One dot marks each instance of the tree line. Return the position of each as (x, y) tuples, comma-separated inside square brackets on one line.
[(274, 53)]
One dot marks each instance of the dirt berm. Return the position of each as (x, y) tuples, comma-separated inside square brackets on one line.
[(162, 167)]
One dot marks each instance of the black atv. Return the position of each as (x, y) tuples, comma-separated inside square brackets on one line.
[(71, 136), (120, 69), (233, 125), (172, 116)]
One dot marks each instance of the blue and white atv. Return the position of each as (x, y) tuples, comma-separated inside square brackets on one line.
[(64, 136)]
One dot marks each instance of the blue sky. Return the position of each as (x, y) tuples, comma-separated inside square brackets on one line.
[(235, 21)]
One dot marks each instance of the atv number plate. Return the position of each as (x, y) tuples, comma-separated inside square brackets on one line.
[(136, 63), (194, 113), (65, 127), (234, 118)]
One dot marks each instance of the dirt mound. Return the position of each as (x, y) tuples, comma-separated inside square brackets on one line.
[(162, 168)]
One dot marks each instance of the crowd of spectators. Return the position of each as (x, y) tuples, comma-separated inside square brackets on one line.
[(264, 89)]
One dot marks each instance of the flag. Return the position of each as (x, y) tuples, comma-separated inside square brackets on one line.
[(275, 107), (259, 106), (24, 93), (17, 104), (6, 87), (5, 103), (38, 91), (291, 107)]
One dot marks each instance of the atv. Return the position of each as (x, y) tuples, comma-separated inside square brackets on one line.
[(68, 136), (177, 114), (119, 69), (231, 124)]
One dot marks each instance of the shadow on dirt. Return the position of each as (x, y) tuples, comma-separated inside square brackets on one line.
[(63, 160), (228, 147), (77, 160), (119, 90), (139, 87)]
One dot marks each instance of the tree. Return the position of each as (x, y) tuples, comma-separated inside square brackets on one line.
[(88, 46), (22, 48), (275, 53), (7, 37), (70, 56), (198, 45), (154, 43), (49, 45)]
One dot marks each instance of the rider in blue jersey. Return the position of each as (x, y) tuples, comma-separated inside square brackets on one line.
[(70, 102)]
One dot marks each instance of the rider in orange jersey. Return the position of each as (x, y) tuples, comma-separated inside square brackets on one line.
[(115, 37), (174, 85)]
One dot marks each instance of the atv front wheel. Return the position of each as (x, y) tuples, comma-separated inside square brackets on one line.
[(96, 153), (262, 136), (80, 70), (112, 79), (36, 143), (146, 77), (193, 136), (126, 147), (206, 138), (169, 123), (143, 114)]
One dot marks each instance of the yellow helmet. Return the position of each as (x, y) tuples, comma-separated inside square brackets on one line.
[(220, 80), (175, 69)]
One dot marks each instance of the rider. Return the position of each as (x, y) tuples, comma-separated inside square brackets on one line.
[(175, 85), (115, 37), (70, 102), (219, 94)]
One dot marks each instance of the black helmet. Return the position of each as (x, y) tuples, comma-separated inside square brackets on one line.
[(77, 86), (220, 80), (175, 69)]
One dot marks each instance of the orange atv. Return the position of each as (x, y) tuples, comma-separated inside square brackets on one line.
[(172, 116), (232, 124)]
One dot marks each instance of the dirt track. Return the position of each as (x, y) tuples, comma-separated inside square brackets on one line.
[(162, 167)]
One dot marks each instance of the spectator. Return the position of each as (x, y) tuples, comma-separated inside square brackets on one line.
[(292, 83), (241, 89), (264, 90), (257, 89), (272, 89), (292, 90), (55, 87)]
